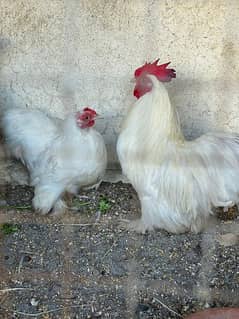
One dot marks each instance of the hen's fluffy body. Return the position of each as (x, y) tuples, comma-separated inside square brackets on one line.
[(178, 182), (58, 154)]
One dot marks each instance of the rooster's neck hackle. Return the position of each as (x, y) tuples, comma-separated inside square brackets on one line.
[(152, 124), (165, 118), (154, 117)]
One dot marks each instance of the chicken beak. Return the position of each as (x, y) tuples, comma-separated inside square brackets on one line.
[(132, 80), (98, 117)]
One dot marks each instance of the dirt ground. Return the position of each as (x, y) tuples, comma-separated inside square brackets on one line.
[(84, 264)]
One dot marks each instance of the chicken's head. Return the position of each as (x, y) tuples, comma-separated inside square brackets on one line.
[(86, 118), (143, 84)]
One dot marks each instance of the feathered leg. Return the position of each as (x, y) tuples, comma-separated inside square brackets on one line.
[(59, 207), (156, 215), (47, 197)]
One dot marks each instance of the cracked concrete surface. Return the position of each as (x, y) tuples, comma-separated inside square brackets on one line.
[(62, 55)]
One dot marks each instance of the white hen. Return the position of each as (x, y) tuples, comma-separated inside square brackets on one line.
[(61, 155), (177, 181)]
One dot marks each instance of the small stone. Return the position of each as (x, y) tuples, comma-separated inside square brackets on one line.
[(185, 308), (34, 302)]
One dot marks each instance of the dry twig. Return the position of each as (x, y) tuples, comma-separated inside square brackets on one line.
[(41, 313), (169, 309), (13, 289), (81, 225)]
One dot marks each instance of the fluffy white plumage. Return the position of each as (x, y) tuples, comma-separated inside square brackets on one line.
[(178, 182), (59, 155)]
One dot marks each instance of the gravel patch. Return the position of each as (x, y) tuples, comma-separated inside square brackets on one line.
[(84, 264)]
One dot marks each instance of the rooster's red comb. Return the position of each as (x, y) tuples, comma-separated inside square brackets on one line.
[(160, 71)]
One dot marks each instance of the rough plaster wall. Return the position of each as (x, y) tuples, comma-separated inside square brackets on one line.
[(59, 55)]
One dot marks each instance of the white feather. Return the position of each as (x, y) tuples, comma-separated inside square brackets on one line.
[(59, 155), (178, 182)]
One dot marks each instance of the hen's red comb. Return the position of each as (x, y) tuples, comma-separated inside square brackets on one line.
[(87, 109), (160, 71)]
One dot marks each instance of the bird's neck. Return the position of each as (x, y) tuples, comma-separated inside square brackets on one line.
[(153, 115), (71, 129)]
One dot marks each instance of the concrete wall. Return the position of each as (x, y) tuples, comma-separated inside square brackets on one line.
[(59, 55)]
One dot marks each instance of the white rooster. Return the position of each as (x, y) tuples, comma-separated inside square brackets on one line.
[(61, 155), (178, 182)]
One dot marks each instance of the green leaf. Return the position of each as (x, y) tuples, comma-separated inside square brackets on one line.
[(9, 228), (104, 205)]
